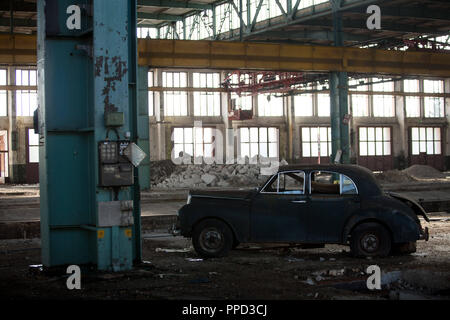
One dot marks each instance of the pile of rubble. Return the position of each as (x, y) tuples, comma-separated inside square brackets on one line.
[(243, 174), (413, 173), (424, 172), (393, 176), (160, 170)]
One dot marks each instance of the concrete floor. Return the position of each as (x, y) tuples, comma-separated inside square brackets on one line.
[(172, 270)]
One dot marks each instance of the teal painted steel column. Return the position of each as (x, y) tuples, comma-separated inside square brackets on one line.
[(115, 68), (86, 70), (143, 140), (67, 167), (343, 117), (340, 134), (335, 115)]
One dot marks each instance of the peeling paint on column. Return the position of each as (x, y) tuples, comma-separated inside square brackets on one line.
[(102, 67)]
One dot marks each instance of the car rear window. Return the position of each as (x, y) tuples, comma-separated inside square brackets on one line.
[(331, 183)]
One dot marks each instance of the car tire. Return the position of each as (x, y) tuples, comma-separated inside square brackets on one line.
[(404, 248), (212, 238), (370, 240)]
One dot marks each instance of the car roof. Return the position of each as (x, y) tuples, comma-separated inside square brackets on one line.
[(363, 177)]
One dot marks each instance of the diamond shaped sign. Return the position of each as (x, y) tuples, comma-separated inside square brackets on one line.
[(134, 154)]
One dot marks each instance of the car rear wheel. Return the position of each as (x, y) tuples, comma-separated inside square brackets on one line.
[(370, 240), (212, 238)]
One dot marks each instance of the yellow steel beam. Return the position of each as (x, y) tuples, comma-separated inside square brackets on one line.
[(21, 49), (18, 49), (268, 56)]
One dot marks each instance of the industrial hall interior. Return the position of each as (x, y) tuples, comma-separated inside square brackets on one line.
[(113, 112)]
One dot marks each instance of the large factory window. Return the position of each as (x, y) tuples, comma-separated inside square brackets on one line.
[(261, 141), (33, 146), (412, 106), (206, 103), (411, 85), (26, 100), (360, 105), (323, 105), (3, 93), (242, 102), (4, 170), (434, 106), (303, 105), (3, 103), (151, 33), (359, 102), (270, 105), (383, 106), (197, 142), (316, 141), (374, 141), (382, 85), (425, 140), (175, 102), (151, 98)]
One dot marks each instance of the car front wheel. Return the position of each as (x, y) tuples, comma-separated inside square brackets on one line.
[(370, 240), (212, 238)]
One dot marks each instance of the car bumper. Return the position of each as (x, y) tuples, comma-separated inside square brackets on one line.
[(175, 230), (424, 234)]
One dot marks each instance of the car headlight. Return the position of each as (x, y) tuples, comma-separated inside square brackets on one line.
[(189, 199)]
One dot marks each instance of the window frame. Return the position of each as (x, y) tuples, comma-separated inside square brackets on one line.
[(375, 141), (340, 183), (411, 141), (328, 141), (28, 145), (268, 142), (277, 175), (194, 143)]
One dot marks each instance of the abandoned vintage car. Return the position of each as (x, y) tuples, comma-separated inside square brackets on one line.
[(311, 205)]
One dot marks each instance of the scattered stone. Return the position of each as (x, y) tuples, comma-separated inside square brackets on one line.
[(319, 278), (336, 272), (193, 260), (208, 178)]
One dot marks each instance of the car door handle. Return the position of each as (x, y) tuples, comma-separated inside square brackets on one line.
[(298, 201)]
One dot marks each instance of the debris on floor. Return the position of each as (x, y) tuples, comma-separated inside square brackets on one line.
[(172, 250)]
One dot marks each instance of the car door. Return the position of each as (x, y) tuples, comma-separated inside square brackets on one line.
[(333, 198), (278, 211)]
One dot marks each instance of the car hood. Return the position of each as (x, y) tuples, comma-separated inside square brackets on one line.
[(222, 194)]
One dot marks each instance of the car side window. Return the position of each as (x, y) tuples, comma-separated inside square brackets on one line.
[(331, 183), (291, 182), (347, 185)]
